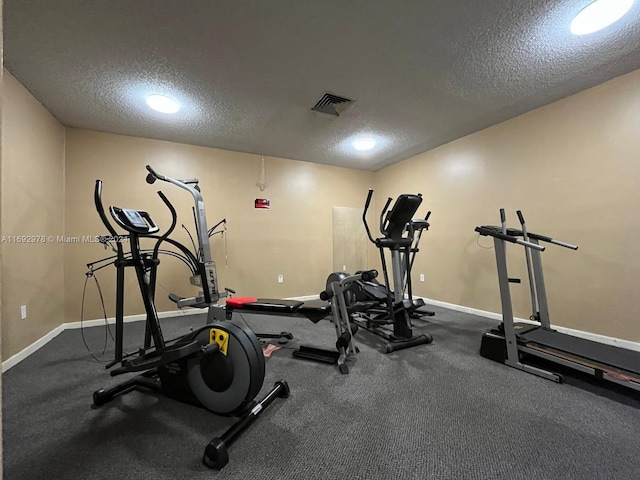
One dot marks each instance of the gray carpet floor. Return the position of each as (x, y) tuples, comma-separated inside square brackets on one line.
[(439, 411)]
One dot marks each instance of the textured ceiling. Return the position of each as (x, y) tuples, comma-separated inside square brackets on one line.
[(422, 73)]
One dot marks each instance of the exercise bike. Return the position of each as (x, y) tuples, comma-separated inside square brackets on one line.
[(219, 366)]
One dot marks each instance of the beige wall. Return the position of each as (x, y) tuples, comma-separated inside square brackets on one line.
[(573, 168), (32, 205), (293, 238)]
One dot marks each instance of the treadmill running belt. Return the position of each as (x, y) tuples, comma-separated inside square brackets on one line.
[(624, 359)]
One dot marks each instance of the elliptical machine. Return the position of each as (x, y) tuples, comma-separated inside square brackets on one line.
[(374, 291), (220, 366), (397, 228)]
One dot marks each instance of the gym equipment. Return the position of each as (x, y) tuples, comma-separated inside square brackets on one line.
[(403, 240), (204, 273), (336, 294), (398, 236), (514, 343), (374, 291), (332, 302), (220, 366), (314, 310), (216, 455)]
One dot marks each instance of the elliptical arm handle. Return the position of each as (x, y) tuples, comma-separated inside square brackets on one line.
[(364, 215), (174, 214), (97, 198), (383, 230), (368, 202), (174, 220)]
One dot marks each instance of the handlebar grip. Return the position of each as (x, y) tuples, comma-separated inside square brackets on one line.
[(97, 193), (368, 201), (503, 216), (369, 275), (564, 244), (154, 175), (97, 199), (427, 215), (533, 246), (364, 215), (383, 229), (326, 295), (520, 217), (164, 198), (174, 215)]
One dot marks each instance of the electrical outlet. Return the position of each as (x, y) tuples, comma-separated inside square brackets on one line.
[(280, 278), (344, 268), (422, 277), (23, 312)]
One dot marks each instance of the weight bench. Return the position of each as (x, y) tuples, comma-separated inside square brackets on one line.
[(314, 310)]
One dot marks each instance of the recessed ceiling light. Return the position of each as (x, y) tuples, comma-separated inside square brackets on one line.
[(162, 103), (598, 15), (363, 144)]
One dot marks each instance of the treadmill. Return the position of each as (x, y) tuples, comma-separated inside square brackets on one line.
[(512, 342)]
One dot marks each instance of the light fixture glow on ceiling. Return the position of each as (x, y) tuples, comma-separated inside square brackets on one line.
[(162, 103), (364, 144), (598, 15)]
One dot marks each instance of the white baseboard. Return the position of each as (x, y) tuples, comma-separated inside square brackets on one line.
[(616, 342), (18, 357), (130, 318), (21, 355), (463, 309)]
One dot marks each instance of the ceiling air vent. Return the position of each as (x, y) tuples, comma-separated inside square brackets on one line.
[(332, 104)]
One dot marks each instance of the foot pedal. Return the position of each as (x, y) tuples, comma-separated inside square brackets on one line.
[(316, 354)]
